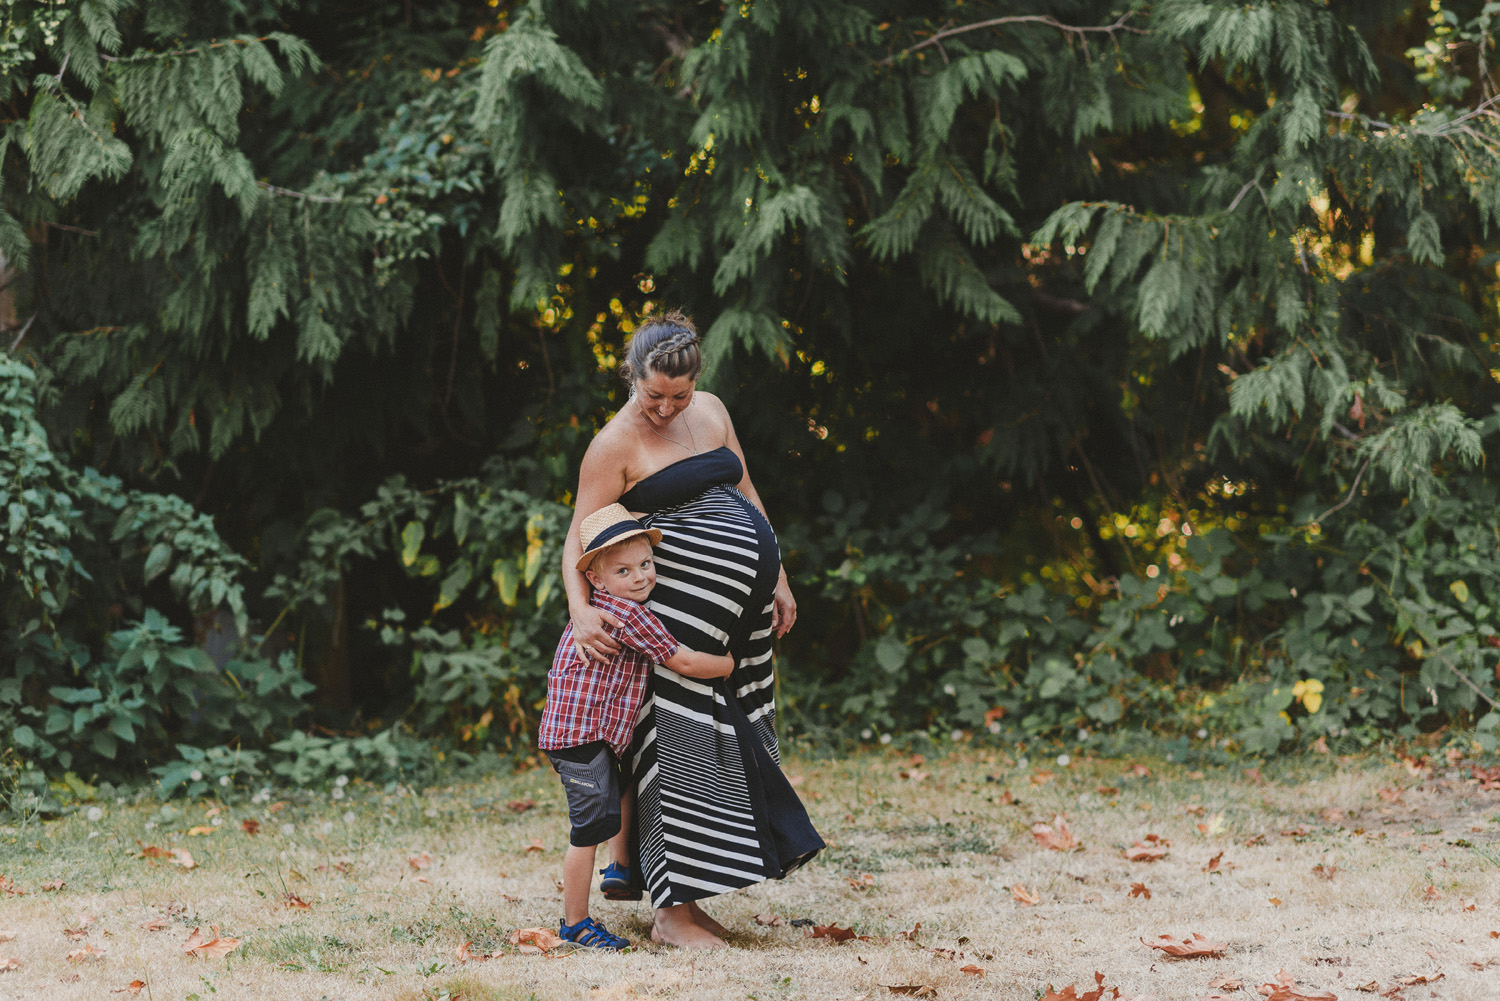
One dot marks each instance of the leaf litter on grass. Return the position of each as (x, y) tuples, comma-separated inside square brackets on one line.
[(950, 890)]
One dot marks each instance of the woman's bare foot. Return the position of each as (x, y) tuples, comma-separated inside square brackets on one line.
[(704, 921), (675, 926)]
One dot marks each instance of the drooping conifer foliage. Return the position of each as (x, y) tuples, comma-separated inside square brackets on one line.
[(1099, 363)]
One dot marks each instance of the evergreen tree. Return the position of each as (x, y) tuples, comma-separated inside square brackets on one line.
[(1027, 269)]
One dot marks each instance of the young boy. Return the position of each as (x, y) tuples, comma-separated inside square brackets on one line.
[(591, 710)]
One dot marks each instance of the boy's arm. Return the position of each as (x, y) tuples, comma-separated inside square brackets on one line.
[(695, 664)]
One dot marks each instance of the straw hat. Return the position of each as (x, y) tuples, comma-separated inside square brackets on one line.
[(607, 526)]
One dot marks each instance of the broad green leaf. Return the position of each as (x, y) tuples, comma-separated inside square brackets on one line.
[(891, 653), (506, 580), (453, 584), (411, 542), (156, 562)]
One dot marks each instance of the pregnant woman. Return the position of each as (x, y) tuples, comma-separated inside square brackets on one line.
[(713, 811)]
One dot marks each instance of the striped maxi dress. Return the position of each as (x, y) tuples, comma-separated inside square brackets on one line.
[(713, 810)]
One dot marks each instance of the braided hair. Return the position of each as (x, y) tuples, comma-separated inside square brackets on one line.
[(666, 344)]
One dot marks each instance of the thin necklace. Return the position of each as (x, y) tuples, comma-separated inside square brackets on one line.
[(693, 449)]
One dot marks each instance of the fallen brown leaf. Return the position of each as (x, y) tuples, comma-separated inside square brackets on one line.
[(297, 903), (1057, 836), (1107, 790), (463, 955), (7, 934), (1070, 993), (911, 936), (1326, 871), (536, 845), (8, 964), (862, 881), (831, 932), (977, 971), (1212, 865), (209, 948), (1189, 948), (155, 924), (134, 987), (1140, 890), (520, 805), (1390, 795), (419, 862), (1025, 896), (1432, 893), (1144, 853), (1426, 978), (769, 920), (1140, 771), (84, 952), (1227, 982), (250, 826), (1042, 778), (202, 830), (181, 856), (1285, 989), (535, 939), (915, 990), (53, 885)]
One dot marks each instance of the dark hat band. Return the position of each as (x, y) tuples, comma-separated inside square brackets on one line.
[(613, 532)]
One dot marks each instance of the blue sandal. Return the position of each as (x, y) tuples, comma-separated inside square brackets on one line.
[(616, 883), (591, 935)]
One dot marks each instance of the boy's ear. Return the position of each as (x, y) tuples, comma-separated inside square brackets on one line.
[(594, 579)]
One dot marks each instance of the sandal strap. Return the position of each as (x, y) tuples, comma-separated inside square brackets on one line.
[(591, 934)]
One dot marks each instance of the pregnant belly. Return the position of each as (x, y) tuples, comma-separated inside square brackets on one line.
[(716, 565)]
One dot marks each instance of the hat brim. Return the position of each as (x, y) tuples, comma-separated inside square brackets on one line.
[(608, 538)]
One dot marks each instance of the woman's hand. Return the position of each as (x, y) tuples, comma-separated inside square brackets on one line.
[(590, 637), (784, 613)]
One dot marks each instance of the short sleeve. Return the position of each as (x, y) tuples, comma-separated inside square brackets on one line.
[(644, 633)]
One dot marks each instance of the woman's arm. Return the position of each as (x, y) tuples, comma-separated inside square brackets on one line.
[(784, 615), (601, 481)]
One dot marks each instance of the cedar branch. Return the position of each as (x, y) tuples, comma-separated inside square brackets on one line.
[(1051, 22)]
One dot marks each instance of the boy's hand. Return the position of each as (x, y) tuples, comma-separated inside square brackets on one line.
[(590, 637), (727, 663)]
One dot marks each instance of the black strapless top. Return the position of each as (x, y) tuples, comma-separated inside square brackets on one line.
[(683, 480)]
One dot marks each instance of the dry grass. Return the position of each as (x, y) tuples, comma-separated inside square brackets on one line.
[(935, 843)]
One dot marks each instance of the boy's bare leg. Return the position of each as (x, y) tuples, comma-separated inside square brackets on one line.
[(704, 921), (619, 845), (675, 926), (578, 879)]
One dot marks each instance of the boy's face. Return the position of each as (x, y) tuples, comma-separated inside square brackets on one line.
[(627, 572)]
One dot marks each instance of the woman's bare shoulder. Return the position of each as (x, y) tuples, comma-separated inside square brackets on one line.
[(712, 405)]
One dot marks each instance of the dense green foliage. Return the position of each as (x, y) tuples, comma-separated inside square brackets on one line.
[(1100, 363)]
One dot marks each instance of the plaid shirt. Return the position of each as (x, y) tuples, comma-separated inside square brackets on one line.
[(588, 701)]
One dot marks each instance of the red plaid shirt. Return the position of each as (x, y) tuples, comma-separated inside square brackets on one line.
[(588, 701)]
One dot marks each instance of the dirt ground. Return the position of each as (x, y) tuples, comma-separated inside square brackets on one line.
[(1343, 878)]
